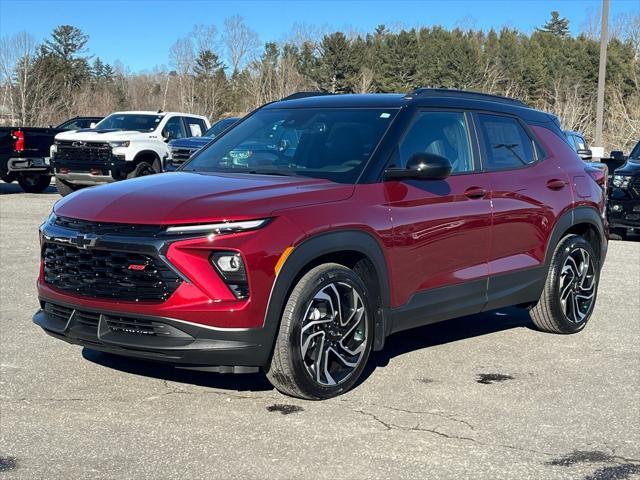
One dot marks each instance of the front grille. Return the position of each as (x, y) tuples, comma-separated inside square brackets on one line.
[(107, 274), (182, 154), (634, 187), (138, 326), (93, 153), (85, 226)]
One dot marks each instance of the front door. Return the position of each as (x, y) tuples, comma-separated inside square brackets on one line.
[(441, 228)]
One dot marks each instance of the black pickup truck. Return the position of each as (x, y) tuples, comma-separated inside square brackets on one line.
[(24, 152)]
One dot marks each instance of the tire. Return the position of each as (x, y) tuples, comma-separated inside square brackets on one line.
[(8, 177), (34, 182), (574, 278), (306, 330), (65, 188), (141, 170)]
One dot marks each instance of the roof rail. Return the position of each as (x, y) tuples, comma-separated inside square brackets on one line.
[(450, 92), (296, 95)]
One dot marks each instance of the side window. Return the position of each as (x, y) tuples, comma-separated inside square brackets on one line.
[(174, 128), (507, 143), (441, 133), (572, 141), (195, 127)]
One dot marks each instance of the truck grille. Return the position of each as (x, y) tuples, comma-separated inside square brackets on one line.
[(89, 154), (634, 187), (180, 154), (107, 274)]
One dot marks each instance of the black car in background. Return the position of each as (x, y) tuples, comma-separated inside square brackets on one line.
[(182, 149), (24, 152), (624, 196)]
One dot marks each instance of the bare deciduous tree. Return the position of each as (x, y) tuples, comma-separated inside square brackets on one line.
[(241, 42)]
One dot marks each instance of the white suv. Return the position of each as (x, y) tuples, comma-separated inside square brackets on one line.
[(123, 145)]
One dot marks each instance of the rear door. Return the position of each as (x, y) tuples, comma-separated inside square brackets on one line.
[(441, 228), (529, 191)]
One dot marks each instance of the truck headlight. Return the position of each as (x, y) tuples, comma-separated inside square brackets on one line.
[(621, 181), (230, 267), (120, 144)]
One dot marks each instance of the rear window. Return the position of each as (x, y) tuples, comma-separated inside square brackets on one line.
[(507, 143)]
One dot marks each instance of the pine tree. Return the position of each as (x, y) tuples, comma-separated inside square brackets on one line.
[(338, 66), (556, 25)]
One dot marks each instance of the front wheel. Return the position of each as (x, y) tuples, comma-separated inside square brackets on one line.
[(570, 291), (325, 335), (142, 170), (65, 188), (34, 182), (8, 177)]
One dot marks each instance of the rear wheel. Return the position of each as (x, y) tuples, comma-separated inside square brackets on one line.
[(34, 182), (325, 335), (569, 294), (65, 188)]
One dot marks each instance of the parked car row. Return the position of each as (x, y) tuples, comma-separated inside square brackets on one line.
[(24, 152), (623, 206), (86, 151)]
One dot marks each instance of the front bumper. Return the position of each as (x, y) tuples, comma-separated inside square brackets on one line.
[(37, 165), (90, 172), (179, 343), (626, 213)]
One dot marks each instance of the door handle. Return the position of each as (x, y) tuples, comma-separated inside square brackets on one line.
[(475, 192), (555, 184)]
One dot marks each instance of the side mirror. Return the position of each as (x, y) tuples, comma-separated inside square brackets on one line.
[(422, 165), (92, 125), (585, 154), (617, 155), (167, 136)]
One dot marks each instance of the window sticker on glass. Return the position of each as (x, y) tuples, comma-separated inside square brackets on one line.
[(385, 115), (195, 130)]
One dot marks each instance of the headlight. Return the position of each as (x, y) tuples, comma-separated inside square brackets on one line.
[(621, 181), (219, 228), (119, 144), (51, 220), (231, 268)]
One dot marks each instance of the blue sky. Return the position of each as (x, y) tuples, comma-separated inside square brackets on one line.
[(140, 33)]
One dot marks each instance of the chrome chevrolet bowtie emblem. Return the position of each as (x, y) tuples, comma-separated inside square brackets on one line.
[(79, 144)]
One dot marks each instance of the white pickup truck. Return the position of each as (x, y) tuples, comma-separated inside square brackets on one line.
[(123, 145)]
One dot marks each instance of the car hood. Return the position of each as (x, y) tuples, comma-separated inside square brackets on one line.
[(95, 135), (631, 167), (191, 142), (187, 197)]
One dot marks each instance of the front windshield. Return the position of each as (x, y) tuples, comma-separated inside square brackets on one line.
[(130, 121), (219, 127), (635, 153), (313, 142)]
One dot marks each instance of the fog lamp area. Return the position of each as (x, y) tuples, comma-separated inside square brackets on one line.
[(230, 266)]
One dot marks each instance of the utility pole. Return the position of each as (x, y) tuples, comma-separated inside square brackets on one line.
[(598, 149)]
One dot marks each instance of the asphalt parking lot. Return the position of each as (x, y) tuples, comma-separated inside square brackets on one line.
[(480, 397)]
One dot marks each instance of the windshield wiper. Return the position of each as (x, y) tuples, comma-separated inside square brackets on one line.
[(268, 172)]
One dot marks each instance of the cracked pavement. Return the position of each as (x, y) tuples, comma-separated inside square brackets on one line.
[(480, 397)]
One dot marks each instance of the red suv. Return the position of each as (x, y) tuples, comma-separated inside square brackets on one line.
[(298, 240)]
